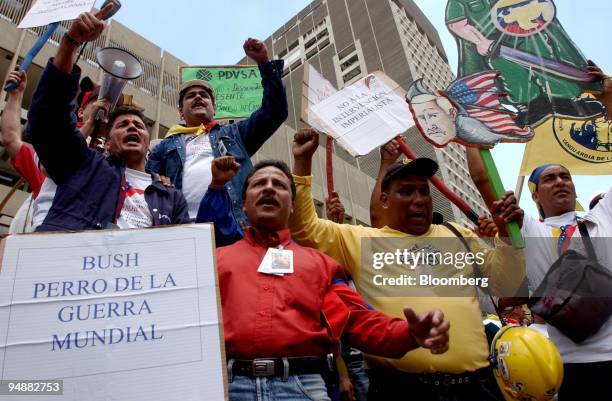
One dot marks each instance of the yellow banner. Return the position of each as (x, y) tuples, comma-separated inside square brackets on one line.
[(584, 147)]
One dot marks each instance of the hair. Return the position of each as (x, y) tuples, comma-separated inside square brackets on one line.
[(122, 111), (282, 166), (442, 101)]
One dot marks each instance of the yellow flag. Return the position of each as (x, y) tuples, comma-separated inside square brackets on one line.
[(583, 147)]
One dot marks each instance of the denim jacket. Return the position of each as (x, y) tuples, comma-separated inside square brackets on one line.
[(241, 139)]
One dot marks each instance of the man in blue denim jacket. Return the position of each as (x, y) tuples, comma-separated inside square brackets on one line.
[(186, 154)]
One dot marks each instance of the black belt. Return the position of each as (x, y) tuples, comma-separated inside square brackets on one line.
[(432, 379), (281, 367)]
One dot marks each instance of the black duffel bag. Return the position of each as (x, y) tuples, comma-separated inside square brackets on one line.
[(576, 293)]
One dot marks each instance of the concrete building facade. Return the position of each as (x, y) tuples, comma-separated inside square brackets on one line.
[(347, 39), (343, 39)]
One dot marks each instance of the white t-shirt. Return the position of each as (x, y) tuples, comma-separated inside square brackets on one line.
[(43, 202), (22, 222), (197, 172), (541, 254), (135, 212)]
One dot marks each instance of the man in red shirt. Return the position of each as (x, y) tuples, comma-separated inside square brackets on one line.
[(22, 155), (285, 307)]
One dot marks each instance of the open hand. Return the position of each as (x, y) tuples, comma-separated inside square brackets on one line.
[(429, 329), (166, 182)]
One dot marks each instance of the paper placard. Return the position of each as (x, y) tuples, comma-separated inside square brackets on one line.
[(123, 315), (315, 89), (44, 12), (364, 115)]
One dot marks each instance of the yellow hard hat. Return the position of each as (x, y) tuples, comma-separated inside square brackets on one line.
[(526, 364)]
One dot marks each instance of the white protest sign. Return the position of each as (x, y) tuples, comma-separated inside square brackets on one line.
[(117, 315), (365, 115), (315, 89), (44, 12)]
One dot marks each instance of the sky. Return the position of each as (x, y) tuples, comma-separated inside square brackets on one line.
[(212, 33)]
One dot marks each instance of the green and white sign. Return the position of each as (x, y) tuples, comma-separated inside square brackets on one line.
[(238, 88)]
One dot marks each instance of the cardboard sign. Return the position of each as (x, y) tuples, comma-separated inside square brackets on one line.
[(123, 315), (44, 12), (315, 89), (238, 88), (467, 112), (364, 115), (544, 73)]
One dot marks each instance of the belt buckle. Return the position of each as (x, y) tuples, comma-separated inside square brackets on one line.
[(263, 367)]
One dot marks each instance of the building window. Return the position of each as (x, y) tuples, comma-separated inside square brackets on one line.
[(349, 65), (354, 60), (293, 45), (351, 74), (346, 51)]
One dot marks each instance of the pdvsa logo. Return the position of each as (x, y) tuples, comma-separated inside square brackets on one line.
[(204, 75)]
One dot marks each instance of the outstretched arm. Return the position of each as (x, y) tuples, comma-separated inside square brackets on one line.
[(379, 334), (340, 241), (52, 123), (389, 153), (260, 126), (468, 32), (10, 123)]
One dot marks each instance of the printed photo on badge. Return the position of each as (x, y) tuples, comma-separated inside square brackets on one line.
[(280, 261)]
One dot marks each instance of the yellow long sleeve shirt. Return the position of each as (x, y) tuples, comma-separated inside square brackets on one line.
[(468, 351)]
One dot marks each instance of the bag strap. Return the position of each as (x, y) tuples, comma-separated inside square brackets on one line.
[(475, 267), (586, 239)]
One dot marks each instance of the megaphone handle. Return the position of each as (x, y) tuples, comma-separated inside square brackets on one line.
[(100, 114), (93, 139)]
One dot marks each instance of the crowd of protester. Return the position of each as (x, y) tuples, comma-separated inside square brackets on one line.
[(317, 330)]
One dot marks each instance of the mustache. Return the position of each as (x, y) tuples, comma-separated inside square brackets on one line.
[(268, 200)]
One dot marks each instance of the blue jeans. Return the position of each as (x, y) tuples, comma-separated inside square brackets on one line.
[(296, 388), (361, 384)]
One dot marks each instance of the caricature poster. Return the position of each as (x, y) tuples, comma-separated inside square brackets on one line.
[(521, 78)]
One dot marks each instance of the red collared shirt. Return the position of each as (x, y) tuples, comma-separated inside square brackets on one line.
[(298, 314)]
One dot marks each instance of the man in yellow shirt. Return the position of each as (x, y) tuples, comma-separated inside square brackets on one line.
[(462, 373)]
